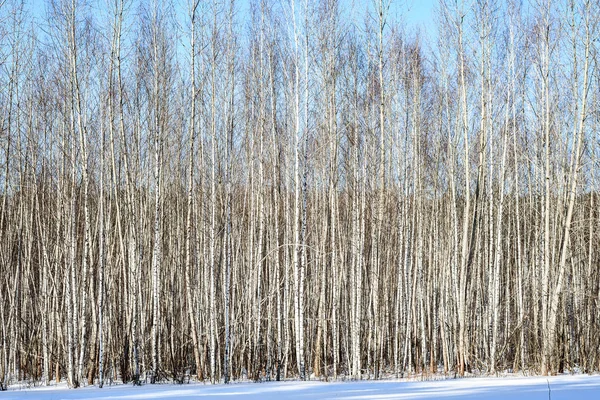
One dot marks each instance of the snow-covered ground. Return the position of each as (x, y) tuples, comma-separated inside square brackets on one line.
[(580, 387)]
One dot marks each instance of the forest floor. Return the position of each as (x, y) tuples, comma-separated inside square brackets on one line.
[(580, 387)]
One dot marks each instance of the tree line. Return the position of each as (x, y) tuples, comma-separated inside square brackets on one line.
[(302, 189)]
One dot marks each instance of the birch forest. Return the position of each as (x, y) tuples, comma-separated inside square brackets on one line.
[(297, 189)]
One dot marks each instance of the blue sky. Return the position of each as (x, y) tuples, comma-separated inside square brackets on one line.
[(419, 13), (416, 13)]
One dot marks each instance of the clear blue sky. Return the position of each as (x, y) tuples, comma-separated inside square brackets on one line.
[(416, 13)]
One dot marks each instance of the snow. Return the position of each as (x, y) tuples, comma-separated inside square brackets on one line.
[(581, 387)]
